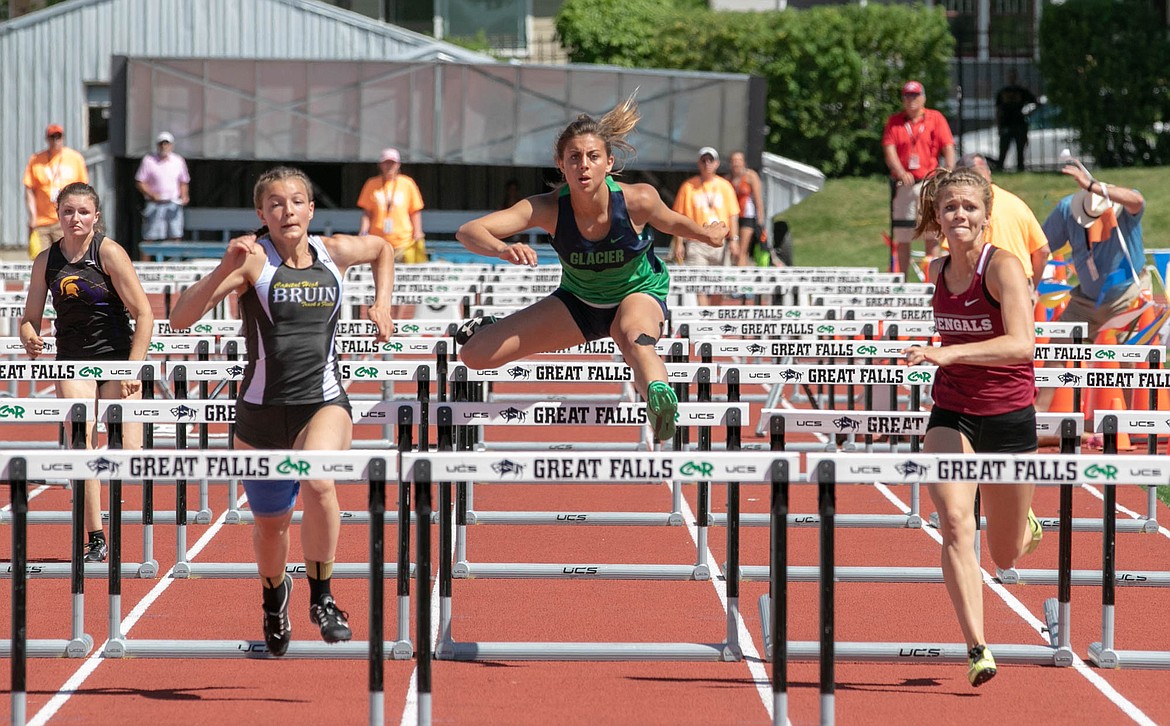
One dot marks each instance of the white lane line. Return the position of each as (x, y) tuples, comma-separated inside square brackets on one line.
[(751, 655), (79, 676), (1123, 509), (1124, 704), (31, 496)]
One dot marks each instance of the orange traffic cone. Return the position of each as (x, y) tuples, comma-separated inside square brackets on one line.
[(1104, 399), (1062, 398)]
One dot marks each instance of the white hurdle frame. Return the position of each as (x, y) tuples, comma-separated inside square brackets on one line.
[(423, 469), (18, 467), (475, 413)]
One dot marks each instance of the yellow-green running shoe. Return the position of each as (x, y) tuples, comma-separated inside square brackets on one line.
[(661, 409), (1037, 532), (980, 665)]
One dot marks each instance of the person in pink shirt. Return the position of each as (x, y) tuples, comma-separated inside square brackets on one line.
[(163, 180)]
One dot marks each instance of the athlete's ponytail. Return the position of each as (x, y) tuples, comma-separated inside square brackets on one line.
[(612, 128)]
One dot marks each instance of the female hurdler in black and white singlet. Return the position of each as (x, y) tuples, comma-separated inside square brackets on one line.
[(289, 285), (95, 292)]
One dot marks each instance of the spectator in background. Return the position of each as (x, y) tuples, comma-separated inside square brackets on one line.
[(163, 180), (748, 192), (1013, 227), (392, 207), (912, 142), (47, 173), (1103, 226), (707, 199), (1012, 104)]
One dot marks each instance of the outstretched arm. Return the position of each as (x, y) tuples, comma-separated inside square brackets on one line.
[(34, 308), (646, 207), (230, 274), (348, 250), (485, 235)]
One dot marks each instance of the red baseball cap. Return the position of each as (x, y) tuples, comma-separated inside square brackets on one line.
[(912, 87), (52, 129)]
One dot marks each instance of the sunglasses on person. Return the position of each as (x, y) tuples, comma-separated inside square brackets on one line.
[(53, 136), (911, 94)]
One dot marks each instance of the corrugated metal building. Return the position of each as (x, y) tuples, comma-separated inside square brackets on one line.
[(55, 66)]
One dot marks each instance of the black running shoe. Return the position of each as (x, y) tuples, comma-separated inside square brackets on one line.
[(333, 621), (277, 626), (465, 331), (96, 550)]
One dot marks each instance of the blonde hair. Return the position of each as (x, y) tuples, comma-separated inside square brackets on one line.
[(278, 174), (932, 188), (612, 128)]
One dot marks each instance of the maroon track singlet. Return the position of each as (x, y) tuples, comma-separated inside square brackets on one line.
[(972, 316)]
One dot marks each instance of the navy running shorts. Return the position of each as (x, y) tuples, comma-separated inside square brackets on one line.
[(1013, 432), (594, 323), (276, 426)]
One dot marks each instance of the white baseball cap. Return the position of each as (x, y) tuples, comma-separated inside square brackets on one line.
[(164, 136), (709, 151)]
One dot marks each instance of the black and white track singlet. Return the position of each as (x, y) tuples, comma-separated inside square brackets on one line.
[(290, 322)]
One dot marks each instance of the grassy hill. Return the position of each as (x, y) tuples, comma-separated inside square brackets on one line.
[(843, 223)]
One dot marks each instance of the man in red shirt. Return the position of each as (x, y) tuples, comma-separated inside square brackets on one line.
[(912, 142)]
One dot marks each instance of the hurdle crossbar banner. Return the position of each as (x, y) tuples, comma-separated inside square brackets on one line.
[(77, 370), (771, 329)]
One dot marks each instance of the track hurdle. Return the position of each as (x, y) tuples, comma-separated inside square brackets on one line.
[(18, 467), (559, 413), (423, 469), (828, 470), (1103, 652)]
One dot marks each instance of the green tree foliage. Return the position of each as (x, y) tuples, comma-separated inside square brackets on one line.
[(833, 73), (1105, 64)]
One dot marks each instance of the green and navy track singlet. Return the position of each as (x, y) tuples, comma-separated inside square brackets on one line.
[(605, 272), (290, 323), (92, 322)]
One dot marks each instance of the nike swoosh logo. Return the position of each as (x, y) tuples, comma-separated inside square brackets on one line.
[(614, 241), (969, 303)]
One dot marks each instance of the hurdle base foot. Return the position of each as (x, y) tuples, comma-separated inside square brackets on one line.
[(148, 570), (232, 516), (765, 602), (1007, 577), (1103, 657), (115, 648), (461, 570), (181, 571), (203, 516), (471, 517), (913, 521), (732, 653), (402, 650), (675, 519), (701, 573), (1150, 526), (1063, 657), (79, 647)]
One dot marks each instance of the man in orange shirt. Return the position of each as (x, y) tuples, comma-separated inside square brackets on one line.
[(706, 198), (912, 142), (47, 173), (392, 209)]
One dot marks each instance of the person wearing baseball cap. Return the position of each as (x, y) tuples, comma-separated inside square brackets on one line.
[(1103, 225), (164, 181), (47, 173), (912, 142), (392, 207), (707, 198)]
